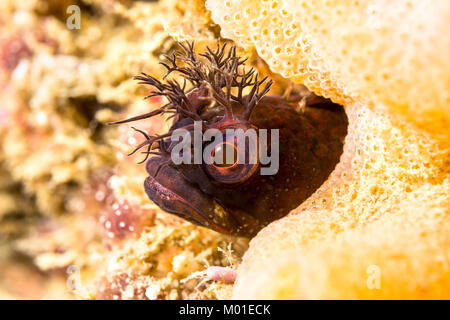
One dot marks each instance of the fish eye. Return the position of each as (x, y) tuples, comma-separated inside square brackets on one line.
[(225, 165), (225, 155)]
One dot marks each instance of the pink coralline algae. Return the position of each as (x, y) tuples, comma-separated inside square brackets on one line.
[(12, 50)]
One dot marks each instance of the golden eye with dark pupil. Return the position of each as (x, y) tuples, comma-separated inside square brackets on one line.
[(224, 155)]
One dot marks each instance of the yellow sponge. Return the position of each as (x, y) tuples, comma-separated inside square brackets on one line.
[(379, 227), (392, 54)]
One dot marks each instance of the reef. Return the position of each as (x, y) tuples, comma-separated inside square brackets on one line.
[(75, 221)]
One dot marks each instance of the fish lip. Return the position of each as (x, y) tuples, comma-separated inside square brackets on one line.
[(167, 193), (162, 194)]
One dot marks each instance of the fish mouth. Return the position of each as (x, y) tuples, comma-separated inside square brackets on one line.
[(168, 189)]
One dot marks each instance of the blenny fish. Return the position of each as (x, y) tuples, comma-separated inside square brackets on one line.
[(219, 92)]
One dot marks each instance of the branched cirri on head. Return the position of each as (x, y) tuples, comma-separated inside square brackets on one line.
[(220, 93)]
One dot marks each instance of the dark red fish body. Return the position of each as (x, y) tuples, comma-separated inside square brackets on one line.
[(237, 199)]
